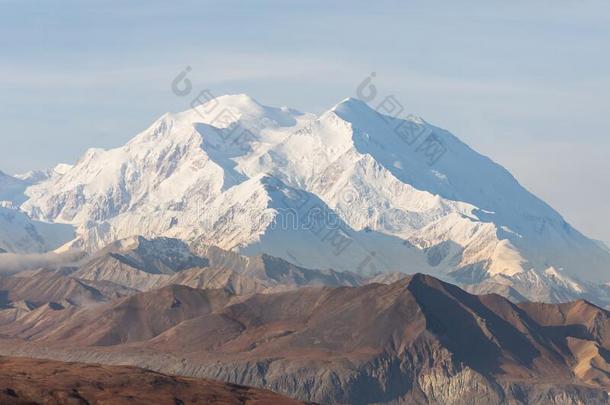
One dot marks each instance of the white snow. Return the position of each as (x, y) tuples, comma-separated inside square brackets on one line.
[(199, 176)]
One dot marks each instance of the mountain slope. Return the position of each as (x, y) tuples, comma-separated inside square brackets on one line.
[(259, 274), (138, 317), (28, 381), (359, 165), (139, 263), (51, 286)]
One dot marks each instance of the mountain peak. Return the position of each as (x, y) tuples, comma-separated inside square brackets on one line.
[(241, 104), (239, 99), (351, 106), (351, 102), (374, 121), (353, 109), (227, 110)]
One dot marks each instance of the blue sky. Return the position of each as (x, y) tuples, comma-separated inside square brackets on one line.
[(524, 82)]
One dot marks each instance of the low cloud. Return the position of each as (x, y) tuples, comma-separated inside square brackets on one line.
[(13, 262)]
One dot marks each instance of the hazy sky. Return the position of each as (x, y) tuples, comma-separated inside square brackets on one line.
[(524, 82)]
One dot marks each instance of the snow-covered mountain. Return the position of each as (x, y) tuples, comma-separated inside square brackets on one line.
[(18, 232), (11, 189), (37, 176), (350, 189)]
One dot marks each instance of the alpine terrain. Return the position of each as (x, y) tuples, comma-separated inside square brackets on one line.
[(348, 190)]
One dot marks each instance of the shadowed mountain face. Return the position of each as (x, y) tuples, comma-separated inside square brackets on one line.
[(417, 340), (27, 381)]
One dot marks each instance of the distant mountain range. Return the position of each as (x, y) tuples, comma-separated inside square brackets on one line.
[(349, 190)]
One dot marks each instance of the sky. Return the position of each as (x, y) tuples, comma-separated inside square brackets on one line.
[(526, 83)]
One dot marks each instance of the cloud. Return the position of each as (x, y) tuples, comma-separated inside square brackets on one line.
[(11, 263)]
